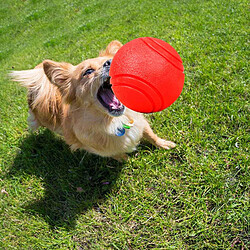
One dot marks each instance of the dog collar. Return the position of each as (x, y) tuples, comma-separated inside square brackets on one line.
[(121, 130)]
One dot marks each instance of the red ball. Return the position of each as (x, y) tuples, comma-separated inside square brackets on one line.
[(147, 75)]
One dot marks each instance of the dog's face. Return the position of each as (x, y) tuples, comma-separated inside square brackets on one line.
[(87, 84)]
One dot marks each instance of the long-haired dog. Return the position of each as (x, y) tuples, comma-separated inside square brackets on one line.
[(78, 103)]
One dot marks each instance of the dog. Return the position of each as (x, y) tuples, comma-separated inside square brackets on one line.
[(78, 103)]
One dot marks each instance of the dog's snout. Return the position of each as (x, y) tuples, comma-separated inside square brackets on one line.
[(105, 70), (107, 63)]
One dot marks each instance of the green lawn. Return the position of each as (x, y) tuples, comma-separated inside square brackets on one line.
[(193, 197)]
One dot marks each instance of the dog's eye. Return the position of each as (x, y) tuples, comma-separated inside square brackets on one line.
[(88, 72)]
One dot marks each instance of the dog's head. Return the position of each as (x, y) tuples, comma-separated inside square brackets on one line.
[(87, 84)]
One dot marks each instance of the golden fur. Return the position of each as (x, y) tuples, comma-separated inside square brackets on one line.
[(64, 100)]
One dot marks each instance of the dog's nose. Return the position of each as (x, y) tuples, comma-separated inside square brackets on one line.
[(107, 63)]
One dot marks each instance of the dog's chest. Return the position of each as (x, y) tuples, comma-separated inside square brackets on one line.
[(105, 139), (121, 139), (129, 140)]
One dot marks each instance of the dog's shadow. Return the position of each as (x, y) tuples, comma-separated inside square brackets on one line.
[(72, 183)]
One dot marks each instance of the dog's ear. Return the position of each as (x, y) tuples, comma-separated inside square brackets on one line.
[(57, 73), (111, 49), (60, 74)]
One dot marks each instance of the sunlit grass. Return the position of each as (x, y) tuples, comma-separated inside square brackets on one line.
[(192, 197)]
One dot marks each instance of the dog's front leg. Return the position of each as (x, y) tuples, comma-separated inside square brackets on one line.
[(120, 157), (150, 136)]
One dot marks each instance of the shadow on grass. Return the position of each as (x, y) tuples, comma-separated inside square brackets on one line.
[(73, 182)]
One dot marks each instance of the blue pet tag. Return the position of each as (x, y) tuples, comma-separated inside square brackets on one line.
[(120, 131)]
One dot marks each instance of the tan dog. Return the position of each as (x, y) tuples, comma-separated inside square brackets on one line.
[(78, 103)]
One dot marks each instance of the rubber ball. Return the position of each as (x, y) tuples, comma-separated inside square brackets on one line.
[(147, 75)]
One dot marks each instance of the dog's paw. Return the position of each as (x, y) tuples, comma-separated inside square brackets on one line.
[(120, 157), (161, 143)]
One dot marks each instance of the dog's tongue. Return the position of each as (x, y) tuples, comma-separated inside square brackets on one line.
[(110, 99)]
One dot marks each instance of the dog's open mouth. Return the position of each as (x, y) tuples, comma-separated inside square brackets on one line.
[(107, 98)]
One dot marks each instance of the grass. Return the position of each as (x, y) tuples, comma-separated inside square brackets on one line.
[(193, 197)]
